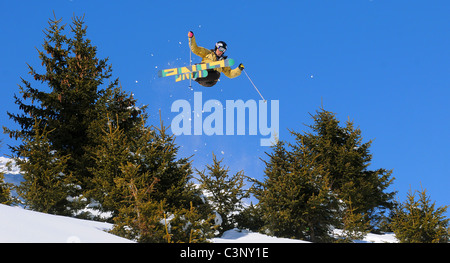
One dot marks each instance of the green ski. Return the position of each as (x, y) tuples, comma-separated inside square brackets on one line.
[(194, 68), (192, 75)]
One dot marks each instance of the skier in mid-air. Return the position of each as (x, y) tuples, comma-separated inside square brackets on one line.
[(210, 55)]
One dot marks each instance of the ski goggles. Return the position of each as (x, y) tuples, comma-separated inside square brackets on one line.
[(222, 49)]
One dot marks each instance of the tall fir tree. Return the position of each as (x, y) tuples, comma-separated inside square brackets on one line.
[(251, 217), (190, 226), (417, 220), (112, 153), (71, 99), (295, 197), (353, 226), (224, 193), (5, 189), (139, 180), (48, 186), (139, 216), (157, 151), (346, 159)]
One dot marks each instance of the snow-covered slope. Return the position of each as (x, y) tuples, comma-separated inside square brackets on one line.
[(20, 225)]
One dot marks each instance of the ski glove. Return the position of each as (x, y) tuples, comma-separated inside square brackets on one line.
[(190, 34), (241, 66)]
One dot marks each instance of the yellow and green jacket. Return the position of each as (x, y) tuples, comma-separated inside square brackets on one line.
[(208, 55)]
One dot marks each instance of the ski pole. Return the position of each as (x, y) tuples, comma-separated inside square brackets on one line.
[(190, 63), (254, 85)]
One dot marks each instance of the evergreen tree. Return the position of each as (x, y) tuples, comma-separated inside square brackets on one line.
[(157, 151), (140, 180), (190, 226), (419, 221), (5, 191), (47, 185), (354, 227), (139, 218), (70, 99), (224, 193), (295, 197), (110, 156), (251, 218), (346, 159), (174, 188)]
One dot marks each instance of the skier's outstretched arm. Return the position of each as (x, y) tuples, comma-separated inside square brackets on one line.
[(199, 51), (232, 73)]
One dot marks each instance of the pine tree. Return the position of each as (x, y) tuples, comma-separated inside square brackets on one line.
[(5, 191), (139, 217), (190, 226), (251, 218), (47, 185), (70, 99), (112, 153), (224, 193), (146, 220), (419, 221), (354, 227), (174, 188), (140, 180), (346, 159), (295, 197)]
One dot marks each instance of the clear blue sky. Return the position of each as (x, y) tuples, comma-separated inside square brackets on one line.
[(384, 64)]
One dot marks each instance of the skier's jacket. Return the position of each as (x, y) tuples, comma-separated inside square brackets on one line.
[(209, 55)]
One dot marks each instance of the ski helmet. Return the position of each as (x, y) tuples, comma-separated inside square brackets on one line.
[(221, 46)]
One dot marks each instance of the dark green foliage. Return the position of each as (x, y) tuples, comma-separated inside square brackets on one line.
[(346, 159), (224, 193), (190, 226), (322, 181), (174, 175), (140, 181), (251, 218), (5, 191), (295, 198), (139, 215), (354, 227), (154, 154), (70, 99), (109, 156), (47, 187), (419, 221)]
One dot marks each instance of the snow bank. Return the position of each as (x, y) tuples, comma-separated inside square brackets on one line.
[(245, 236), (374, 238), (18, 225)]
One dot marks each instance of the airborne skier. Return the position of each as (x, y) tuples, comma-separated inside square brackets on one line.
[(210, 55)]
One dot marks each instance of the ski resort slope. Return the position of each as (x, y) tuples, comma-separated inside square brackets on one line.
[(18, 225)]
